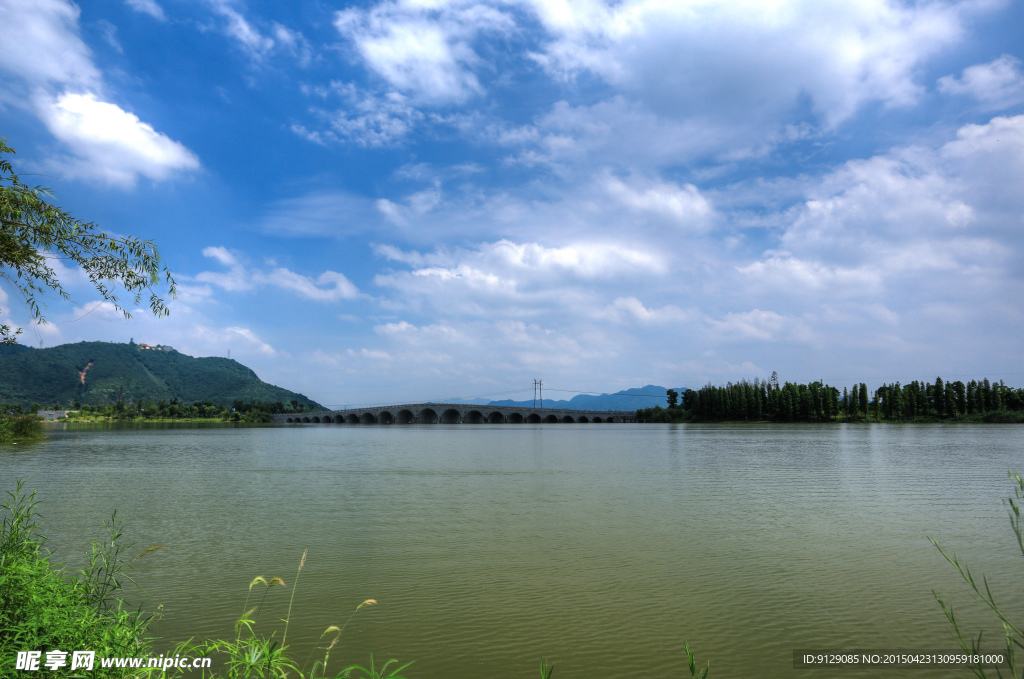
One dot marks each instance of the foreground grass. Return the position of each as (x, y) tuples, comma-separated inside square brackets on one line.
[(42, 608)]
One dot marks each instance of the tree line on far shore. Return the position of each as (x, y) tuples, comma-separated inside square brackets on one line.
[(175, 409), (768, 400)]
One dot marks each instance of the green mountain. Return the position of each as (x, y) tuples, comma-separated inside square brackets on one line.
[(94, 372)]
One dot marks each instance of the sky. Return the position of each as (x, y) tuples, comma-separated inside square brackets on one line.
[(410, 200)]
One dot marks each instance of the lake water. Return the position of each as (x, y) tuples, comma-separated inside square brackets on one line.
[(599, 547)]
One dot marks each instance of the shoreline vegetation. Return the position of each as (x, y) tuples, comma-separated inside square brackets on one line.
[(769, 401), (152, 412), (20, 428)]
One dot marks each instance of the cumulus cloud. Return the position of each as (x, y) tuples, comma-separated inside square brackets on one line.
[(998, 84), (506, 279), (684, 206), (41, 48), (731, 59), (110, 143), (739, 70), (330, 286), (424, 51), (915, 239)]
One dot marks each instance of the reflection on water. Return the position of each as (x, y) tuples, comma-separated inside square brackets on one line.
[(599, 547)]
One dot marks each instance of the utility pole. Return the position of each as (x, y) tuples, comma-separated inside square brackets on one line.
[(540, 384)]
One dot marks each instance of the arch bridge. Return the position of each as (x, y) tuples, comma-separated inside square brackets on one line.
[(453, 413)]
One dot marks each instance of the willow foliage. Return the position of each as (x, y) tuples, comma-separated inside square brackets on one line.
[(34, 234)]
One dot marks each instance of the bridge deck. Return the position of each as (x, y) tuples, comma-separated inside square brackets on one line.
[(452, 413)]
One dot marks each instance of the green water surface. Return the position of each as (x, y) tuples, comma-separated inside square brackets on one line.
[(600, 547)]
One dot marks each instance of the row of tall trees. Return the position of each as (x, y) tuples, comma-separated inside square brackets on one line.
[(820, 402)]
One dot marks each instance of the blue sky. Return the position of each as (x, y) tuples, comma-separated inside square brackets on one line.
[(411, 200)]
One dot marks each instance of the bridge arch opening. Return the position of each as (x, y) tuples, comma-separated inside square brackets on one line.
[(428, 416), (385, 418), (474, 417), (316, 420), (597, 419), (339, 419), (451, 416), (306, 420), (405, 417), (351, 418), (496, 418), (368, 418), (551, 418), (288, 420), (516, 418), (567, 419), (533, 418), (583, 418)]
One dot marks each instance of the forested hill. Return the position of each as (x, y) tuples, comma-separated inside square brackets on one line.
[(94, 372)]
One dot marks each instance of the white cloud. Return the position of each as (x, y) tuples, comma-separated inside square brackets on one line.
[(294, 43), (226, 337), (632, 309), (505, 279), (110, 143), (366, 119), (753, 325), (782, 273), (323, 213), (236, 26), (998, 84), (149, 7), (683, 205), (330, 286), (733, 59), (41, 47), (739, 71), (878, 243), (423, 50), (109, 33), (39, 42)]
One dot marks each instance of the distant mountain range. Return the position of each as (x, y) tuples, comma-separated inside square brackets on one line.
[(630, 399), (95, 372)]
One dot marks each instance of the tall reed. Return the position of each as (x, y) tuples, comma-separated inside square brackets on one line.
[(254, 656), (1013, 631)]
